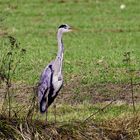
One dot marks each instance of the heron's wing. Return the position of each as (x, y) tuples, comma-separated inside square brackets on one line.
[(44, 85)]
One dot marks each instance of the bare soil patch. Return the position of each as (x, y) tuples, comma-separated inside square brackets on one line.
[(75, 93), (99, 93)]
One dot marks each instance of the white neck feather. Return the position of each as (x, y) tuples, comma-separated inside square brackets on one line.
[(60, 44)]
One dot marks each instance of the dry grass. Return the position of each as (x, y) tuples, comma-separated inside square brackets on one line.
[(123, 128)]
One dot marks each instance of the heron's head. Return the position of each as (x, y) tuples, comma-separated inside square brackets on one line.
[(64, 28)]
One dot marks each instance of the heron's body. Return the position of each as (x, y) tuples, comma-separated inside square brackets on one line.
[(51, 79)]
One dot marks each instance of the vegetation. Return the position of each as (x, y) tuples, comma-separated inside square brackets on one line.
[(116, 129), (100, 97)]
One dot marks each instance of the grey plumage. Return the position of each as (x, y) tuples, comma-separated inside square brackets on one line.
[(51, 79)]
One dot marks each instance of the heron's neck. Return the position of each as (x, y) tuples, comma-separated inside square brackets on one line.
[(60, 45)]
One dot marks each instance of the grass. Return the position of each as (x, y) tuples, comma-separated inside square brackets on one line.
[(105, 33), (94, 68), (120, 128), (80, 112)]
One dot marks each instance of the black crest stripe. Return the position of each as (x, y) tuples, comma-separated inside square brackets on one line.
[(62, 26)]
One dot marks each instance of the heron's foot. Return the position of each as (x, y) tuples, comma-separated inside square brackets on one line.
[(45, 124), (46, 120)]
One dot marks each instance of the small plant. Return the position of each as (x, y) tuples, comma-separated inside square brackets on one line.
[(11, 57), (130, 71)]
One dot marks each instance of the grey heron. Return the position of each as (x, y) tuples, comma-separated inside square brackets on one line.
[(51, 79)]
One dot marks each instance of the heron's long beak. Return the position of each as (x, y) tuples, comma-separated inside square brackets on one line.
[(71, 29)]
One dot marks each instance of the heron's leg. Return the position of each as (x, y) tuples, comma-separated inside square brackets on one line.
[(55, 111), (47, 110), (46, 115)]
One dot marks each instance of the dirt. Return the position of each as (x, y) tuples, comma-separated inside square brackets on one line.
[(99, 93), (74, 93)]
